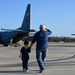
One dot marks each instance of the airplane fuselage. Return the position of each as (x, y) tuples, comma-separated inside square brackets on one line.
[(5, 37)]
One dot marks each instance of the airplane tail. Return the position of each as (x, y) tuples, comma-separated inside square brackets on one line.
[(26, 20)]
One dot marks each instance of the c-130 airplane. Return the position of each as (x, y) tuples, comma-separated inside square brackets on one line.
[(19, 33)]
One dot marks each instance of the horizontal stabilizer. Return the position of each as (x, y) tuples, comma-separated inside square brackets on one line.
[(13, 30), (32, 30)]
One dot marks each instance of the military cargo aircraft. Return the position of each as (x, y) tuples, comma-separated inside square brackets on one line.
[(15, 35)]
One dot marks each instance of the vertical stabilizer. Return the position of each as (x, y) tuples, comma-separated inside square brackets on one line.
[(26, 20)]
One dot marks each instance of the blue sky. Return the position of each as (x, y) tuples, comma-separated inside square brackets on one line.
[(57, 15)]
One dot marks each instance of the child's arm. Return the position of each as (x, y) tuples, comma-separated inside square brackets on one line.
[(20, 55)]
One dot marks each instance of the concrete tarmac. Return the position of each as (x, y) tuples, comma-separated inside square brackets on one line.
[(60, 61)]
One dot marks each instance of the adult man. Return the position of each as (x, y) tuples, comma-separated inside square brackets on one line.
[(41, 39)]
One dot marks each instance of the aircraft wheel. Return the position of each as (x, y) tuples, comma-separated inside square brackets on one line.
[(5, 45)]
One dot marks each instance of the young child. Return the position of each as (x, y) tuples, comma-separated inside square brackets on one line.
[(24, 54)]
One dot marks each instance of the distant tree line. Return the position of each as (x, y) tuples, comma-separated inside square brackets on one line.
[(64, 39), (54, 39)]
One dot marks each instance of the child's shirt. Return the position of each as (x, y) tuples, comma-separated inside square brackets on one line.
[(25, 53)]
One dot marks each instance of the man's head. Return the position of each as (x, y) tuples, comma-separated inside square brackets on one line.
[(42, 27)]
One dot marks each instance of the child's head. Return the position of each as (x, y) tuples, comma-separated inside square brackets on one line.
[(26, 42)]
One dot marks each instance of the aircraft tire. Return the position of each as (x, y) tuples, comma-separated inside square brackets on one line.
[(5, 45)]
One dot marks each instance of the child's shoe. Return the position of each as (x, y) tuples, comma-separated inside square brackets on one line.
[(26, 70)]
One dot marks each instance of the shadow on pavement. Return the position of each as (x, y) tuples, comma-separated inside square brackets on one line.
[(21, 72)]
